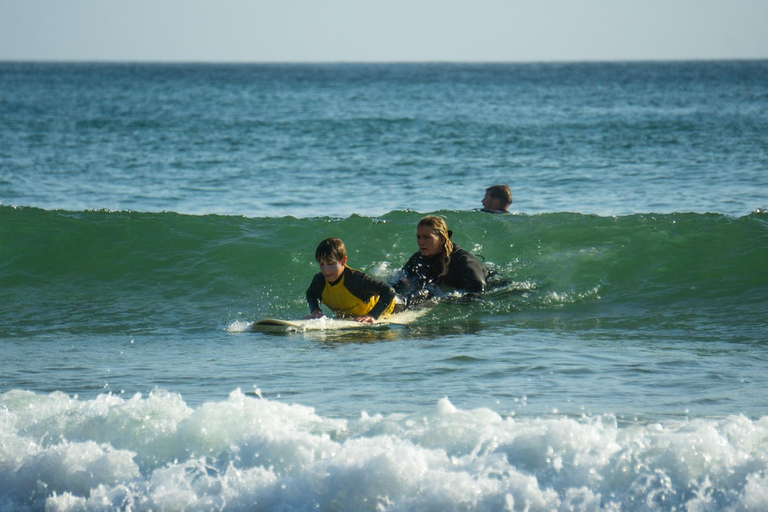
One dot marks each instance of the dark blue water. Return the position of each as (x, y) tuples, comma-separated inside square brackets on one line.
[(273, 140)]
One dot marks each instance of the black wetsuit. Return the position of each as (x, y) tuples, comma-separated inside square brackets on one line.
[(465, 272)]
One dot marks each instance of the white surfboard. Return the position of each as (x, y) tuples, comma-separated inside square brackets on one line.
[(325, 323), (317, 324)]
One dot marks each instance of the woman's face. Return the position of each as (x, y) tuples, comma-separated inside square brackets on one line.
[(429, 243)]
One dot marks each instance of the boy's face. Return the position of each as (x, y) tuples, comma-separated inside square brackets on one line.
[(332, 269)]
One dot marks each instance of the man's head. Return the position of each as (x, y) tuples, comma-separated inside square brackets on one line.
[(497, 198)]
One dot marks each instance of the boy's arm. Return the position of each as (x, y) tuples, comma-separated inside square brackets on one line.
[(369, 286), (315, 293)]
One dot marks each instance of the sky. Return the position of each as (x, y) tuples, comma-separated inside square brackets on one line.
[(382, 31)]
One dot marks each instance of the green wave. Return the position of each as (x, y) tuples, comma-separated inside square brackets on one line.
[(125, 271)]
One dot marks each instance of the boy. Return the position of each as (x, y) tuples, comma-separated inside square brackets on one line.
[(346, 291)]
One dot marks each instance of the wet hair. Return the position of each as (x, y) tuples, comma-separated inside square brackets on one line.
[(502, 193), (440, 229), (331, 249)]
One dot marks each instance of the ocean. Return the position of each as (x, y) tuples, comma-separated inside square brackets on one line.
[(150, 213)]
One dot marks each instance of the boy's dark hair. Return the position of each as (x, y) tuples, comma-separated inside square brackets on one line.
[(500, 192), (331, 249)]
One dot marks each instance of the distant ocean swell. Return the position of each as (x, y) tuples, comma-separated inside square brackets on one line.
[(75, 271), (247, 453)]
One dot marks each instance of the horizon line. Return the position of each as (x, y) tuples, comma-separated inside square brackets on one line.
[(381, 62)]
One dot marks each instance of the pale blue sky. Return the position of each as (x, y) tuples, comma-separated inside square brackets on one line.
[(374, 31)]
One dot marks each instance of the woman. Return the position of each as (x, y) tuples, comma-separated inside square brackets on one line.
[(439, 262)]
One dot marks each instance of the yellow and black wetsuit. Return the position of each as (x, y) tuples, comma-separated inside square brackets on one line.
[(354, 294)]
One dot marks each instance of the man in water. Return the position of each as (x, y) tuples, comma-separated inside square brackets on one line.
[(497, 199)]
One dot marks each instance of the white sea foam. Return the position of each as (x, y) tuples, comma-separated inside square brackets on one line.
[(156, 453), (238, 326)]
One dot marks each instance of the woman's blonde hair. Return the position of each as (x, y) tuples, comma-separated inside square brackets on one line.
[(440, 229)]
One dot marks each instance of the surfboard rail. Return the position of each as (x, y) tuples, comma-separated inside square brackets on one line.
[(332, 324)]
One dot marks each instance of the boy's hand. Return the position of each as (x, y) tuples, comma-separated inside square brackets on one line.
[(318, 313), (365, 319)]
